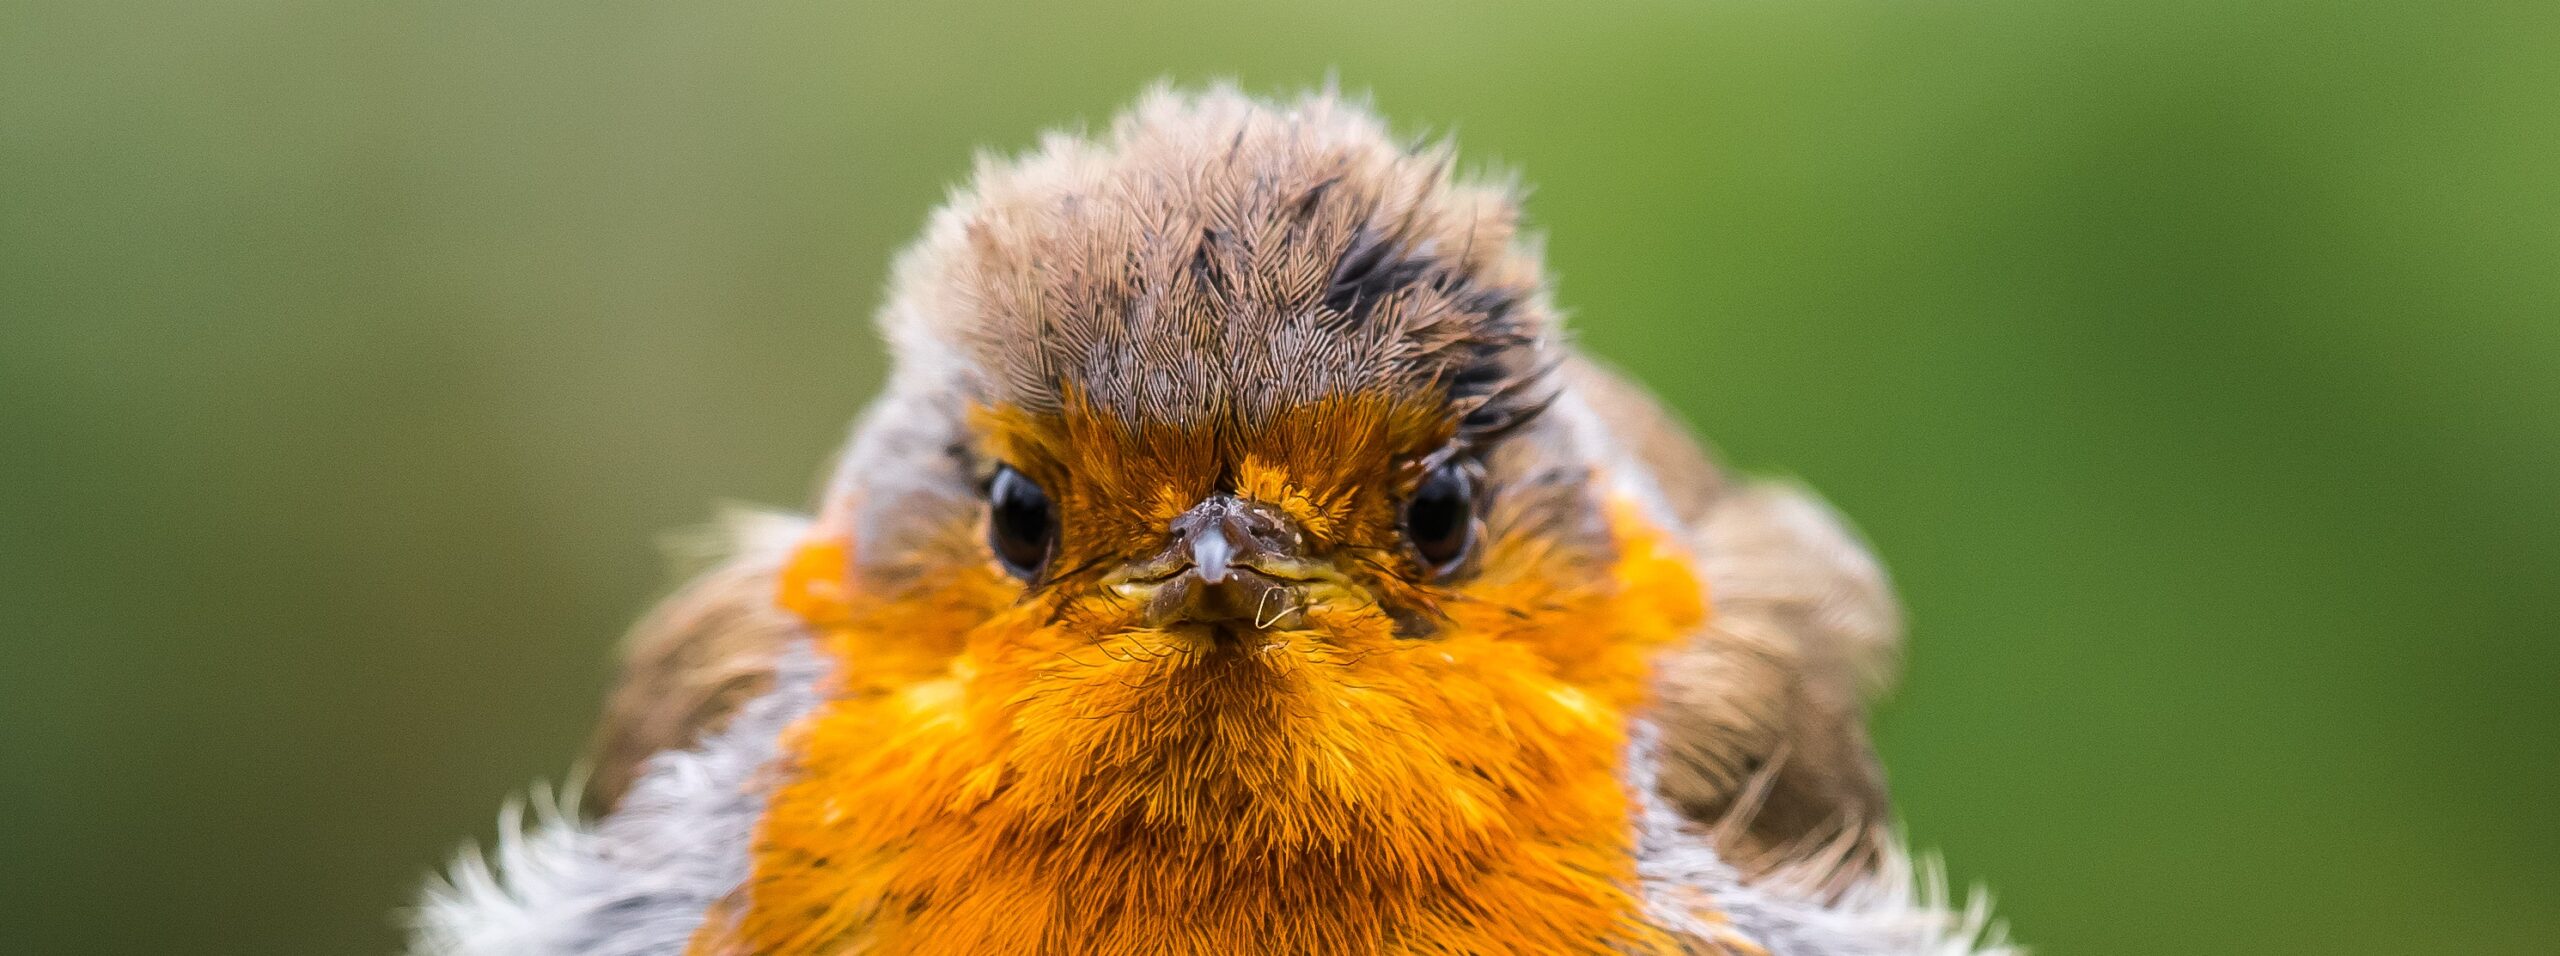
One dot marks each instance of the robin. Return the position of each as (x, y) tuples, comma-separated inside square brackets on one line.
[(1240, 561)]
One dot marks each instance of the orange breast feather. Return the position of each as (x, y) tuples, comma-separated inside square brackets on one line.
[(1031, 789)]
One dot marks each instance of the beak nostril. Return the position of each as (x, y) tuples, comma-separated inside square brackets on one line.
[(1268, 534)]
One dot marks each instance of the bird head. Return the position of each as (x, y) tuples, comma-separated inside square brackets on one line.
[(1235, 388)]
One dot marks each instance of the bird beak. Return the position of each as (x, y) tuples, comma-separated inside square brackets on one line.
[(1237, 564)]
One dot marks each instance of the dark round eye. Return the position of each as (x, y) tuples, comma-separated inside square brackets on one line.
[(1440, 518), (1021, 527)]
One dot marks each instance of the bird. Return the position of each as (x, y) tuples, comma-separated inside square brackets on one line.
[(1241, 559)]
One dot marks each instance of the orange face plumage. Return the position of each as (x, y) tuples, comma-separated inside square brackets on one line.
[(1215, 580)]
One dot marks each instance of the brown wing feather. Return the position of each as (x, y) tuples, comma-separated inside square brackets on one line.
[(1763, 714), (696, 657)]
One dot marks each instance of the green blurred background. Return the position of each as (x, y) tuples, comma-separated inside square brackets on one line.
[(2195, 365)]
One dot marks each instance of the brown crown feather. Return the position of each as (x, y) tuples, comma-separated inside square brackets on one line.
[(1216, 256)]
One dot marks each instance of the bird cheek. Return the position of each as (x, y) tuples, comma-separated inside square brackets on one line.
[(815, 584)]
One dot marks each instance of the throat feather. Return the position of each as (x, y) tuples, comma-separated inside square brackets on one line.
[(1341, 791)]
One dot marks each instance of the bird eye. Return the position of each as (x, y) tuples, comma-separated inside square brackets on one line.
[(1021, 527), (1440, 518)]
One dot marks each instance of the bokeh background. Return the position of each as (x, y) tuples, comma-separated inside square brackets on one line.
[(2195, 365)]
